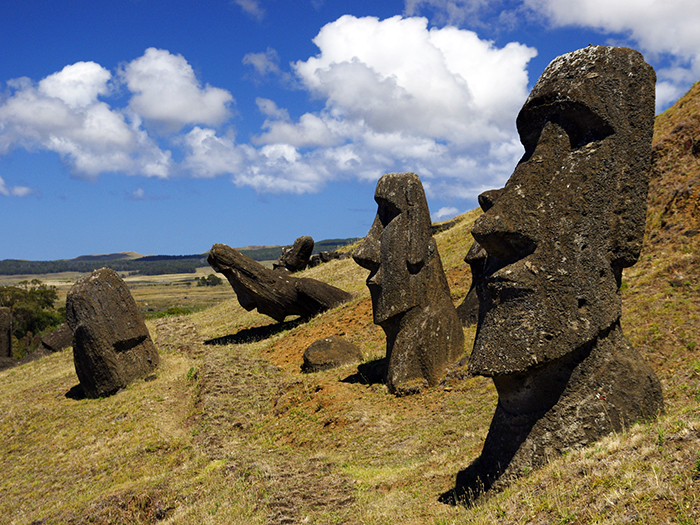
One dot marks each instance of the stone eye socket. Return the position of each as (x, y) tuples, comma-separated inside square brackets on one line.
[(387, 211), (580, 123)]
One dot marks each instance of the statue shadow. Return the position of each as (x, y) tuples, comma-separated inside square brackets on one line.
[(490, 470), (76, 393), (471, 486), (369, 373), (257, 333), (474, 482)]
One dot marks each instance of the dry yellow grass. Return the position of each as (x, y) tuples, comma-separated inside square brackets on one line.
[(235, 433)]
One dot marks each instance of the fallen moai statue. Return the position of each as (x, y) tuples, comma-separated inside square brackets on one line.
[(111, 344), (273, 293), (295, 258), (410, 296), (569, 219)]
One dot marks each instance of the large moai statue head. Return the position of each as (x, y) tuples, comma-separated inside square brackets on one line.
[(408, 286), (571, 216), (556, 239)]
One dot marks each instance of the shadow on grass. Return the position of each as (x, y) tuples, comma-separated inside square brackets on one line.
[(507, 433), (257, 333), (369, 373), (471, 486), (76, 393)]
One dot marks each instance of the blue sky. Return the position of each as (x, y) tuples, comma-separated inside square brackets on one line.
[(164, 127)]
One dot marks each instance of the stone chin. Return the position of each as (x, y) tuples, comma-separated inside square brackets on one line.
[(526, 321)]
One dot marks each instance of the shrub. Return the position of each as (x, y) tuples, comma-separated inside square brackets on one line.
[(32, 306)]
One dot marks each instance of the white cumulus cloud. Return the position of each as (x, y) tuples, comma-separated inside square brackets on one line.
[(67, 112), (62, 113), (398, 75), (14, 191), (77, 85), (444, 213), (400, 96), (658, 27), (167, 92), (209, 156)]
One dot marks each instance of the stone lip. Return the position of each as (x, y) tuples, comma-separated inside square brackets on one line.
[(273, 293), (111, 344)]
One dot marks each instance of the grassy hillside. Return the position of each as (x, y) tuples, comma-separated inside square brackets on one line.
[(232, 432)]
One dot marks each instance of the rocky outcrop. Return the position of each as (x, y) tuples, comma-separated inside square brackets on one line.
[(556, 239), (325, 256), (111, 344), (5, 332), (330, 352), (410, 296), (273, 293), (295, 258)]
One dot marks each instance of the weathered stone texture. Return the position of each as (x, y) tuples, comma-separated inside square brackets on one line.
[(555, 241), (295, 258), (273, 293), (410, 296), (111, 344), (59, 339), (330, 352)]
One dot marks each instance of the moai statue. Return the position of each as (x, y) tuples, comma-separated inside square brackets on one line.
[(295, 258), (111, 343), (271, 292), (557, 237), (410, 296)]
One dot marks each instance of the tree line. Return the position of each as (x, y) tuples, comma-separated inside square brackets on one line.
[(150, 264), (32, 305)]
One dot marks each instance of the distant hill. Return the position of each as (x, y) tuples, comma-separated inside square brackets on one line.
[(110, 257), (147, 264)]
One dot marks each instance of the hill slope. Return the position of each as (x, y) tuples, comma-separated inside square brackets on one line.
[(232, 432)]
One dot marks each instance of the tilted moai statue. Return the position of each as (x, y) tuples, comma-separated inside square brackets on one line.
[(111, 343), (557, 237), (410, 295)]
